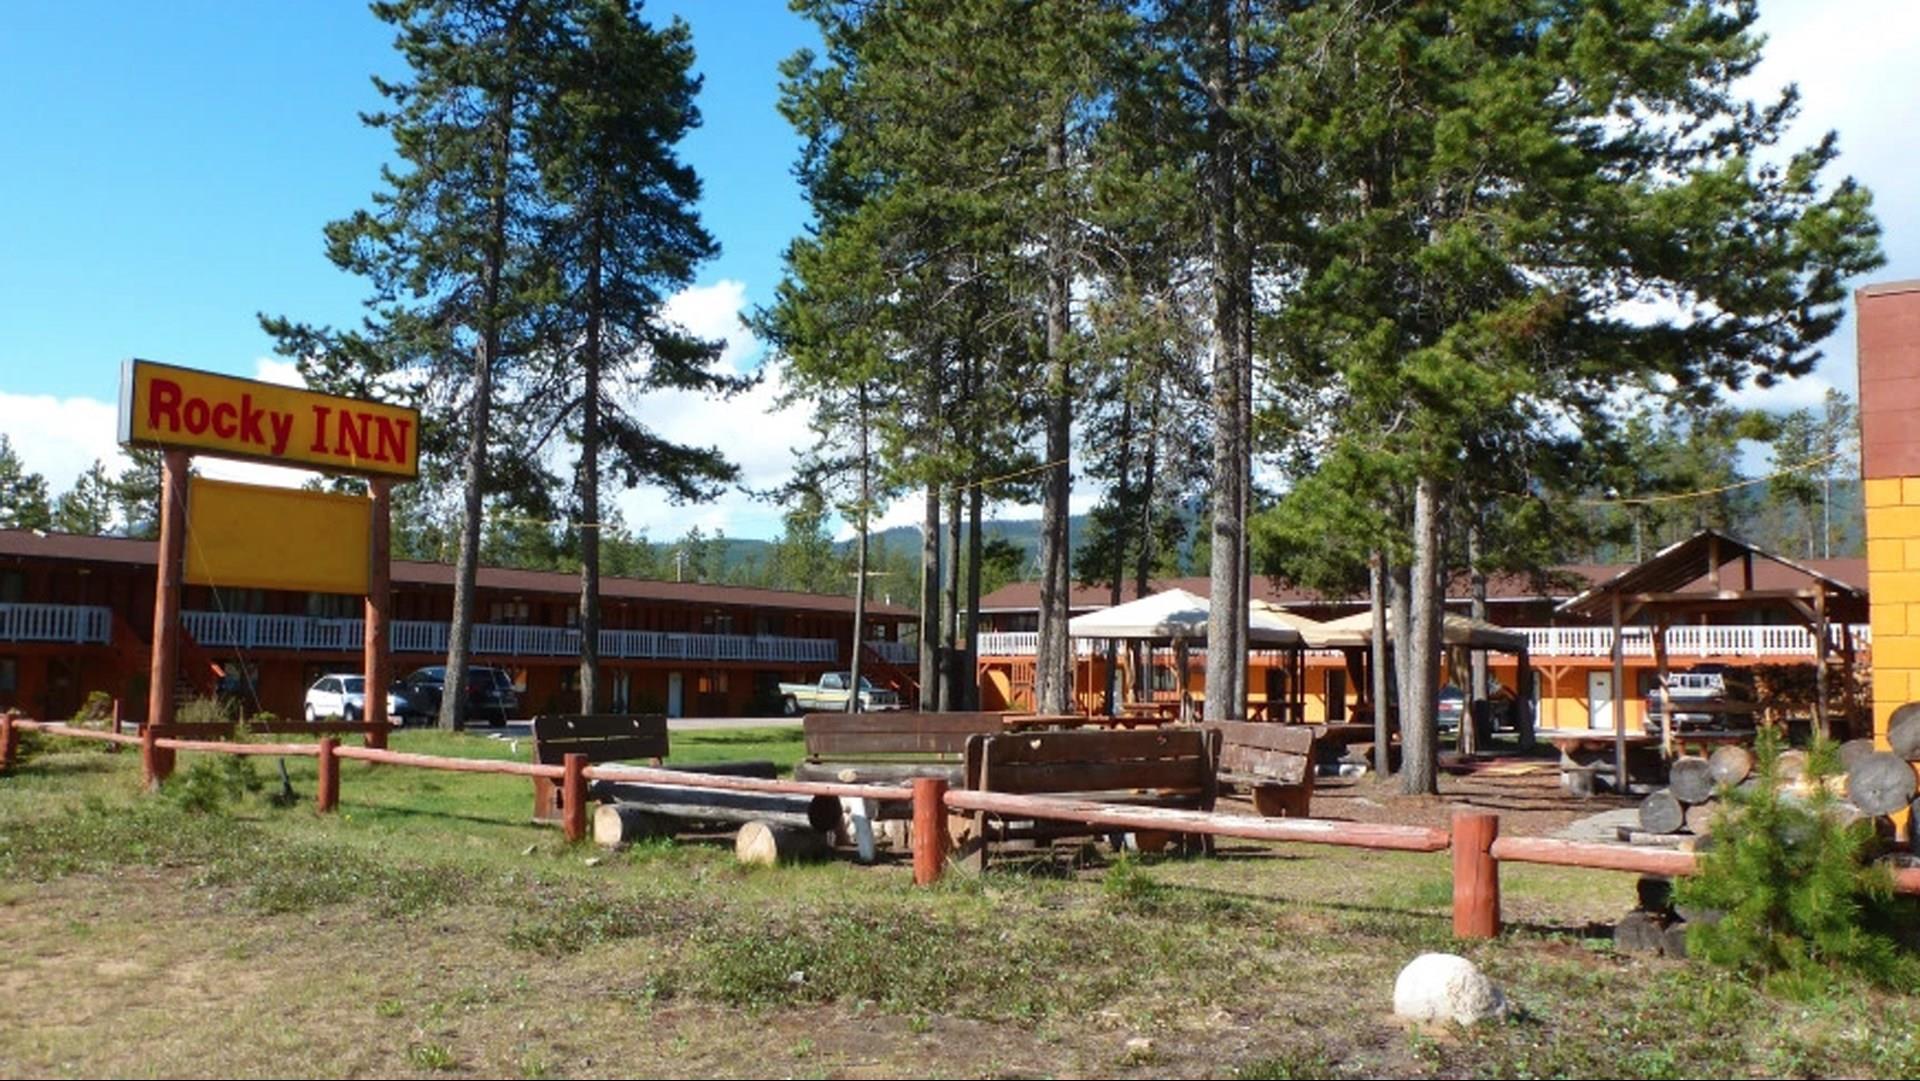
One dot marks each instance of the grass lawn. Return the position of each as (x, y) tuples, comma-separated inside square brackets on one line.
[(429, 929)]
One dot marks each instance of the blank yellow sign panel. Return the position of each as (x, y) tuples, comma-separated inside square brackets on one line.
[(252, 537)]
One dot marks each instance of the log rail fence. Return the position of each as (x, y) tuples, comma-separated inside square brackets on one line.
[(1474, 839)]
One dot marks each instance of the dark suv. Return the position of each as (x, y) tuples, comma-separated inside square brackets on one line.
[(1497, 714), (490, 694)]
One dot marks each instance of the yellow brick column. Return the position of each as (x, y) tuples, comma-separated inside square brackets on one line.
[(1893, 581), (1889, 357)]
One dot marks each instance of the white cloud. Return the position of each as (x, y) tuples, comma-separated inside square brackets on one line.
[(61, 438), (1807, 392), (749, 428)]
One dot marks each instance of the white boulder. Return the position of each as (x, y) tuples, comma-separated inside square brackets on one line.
[(1446, 987)]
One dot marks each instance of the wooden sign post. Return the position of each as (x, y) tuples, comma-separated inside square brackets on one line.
[(266, 538)]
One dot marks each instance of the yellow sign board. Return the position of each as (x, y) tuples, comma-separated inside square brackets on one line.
[(164, 406), (246, 536)]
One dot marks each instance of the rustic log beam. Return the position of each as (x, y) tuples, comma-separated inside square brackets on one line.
[(692, 804)]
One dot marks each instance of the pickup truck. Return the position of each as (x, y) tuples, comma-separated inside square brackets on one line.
[(830, 695), (1708, 696)]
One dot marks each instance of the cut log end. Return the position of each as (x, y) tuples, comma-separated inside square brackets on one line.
[(1662, 813), (1730, 764), (1881, 783), (1690, 779), (1903, 731), (617, 825), (1792, 766), (768, 844)]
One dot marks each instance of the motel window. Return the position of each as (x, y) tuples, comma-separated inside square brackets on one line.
[(517, 613), (246, 601), (13, 586), (9, 675), (333, 605)]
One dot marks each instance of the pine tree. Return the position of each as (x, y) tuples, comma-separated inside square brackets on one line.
[(1488, 215), (23, 494), (804, 557), (136, 492), (87, 507), (624, 236), (451, 249)]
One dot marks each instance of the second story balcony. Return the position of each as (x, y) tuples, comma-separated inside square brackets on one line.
[(1771, 641), (238, 631), (74, 624)]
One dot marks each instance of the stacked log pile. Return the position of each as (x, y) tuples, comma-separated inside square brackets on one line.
[(1874, 784)]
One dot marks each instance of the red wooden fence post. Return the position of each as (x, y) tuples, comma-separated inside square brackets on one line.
[(930, 842), (573, 797), (9, 742), (328, 797), (152, 769), (1476, 875)]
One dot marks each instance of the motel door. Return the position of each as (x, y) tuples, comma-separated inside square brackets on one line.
[(1336, 695), (1600, 700), (676, 694)]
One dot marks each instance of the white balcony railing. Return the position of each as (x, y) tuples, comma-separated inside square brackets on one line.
[(81, 624), (897, 652), (1759, 640), (1753, 640), (499, 640)]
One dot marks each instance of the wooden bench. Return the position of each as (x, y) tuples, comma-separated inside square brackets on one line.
[(889, 747), (601, 737), (1157, 768), (1274, 762)]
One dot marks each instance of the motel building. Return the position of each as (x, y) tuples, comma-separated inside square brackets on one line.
[(76, 617), (1750, 615)]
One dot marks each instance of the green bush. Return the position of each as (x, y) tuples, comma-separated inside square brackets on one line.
[(1801, 900), (212, 783)]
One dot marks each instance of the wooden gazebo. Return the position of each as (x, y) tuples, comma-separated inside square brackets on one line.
[(1692, 579)]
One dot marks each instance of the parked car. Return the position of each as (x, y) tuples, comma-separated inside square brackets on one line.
[(831, 694), (490, 694), (1706, 696), (1500, 706), (342, 695)]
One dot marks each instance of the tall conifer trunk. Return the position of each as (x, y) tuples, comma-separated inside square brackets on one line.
[(1382, 693), (453, 695), (1419, 722), (950, 607), (1227, 616), (1053, 673), (590, 495), (930, 601)]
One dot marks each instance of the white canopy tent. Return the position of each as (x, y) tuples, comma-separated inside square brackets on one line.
[(1455, 630), (1180, 618), (1177, 615)]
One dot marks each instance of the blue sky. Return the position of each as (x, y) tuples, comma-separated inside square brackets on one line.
[(165, 170), (172, 165)]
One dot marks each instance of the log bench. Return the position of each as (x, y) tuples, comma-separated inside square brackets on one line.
[(1274, 762), (1175, 768), (888, 748), (634, 738)]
